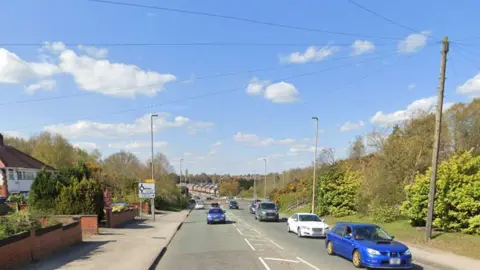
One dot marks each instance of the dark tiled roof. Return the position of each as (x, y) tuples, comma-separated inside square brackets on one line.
[(11, 157)]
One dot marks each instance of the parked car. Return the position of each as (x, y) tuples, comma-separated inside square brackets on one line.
[(199, 205), (215, 204), (266, 210), (252, 206), (216, 215), (306, 224), (367, 245), (233, 205)]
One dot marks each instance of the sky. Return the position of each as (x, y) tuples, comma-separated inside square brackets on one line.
[(229, 92)]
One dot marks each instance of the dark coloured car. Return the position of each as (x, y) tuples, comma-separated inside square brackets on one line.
[(266, 211), (233, 205), (215, 204), (367, 245)]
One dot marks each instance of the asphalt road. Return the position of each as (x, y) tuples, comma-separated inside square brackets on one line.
[(245, 243)]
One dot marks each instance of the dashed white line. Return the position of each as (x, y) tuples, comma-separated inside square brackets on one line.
[(307, 263), (249, 244), (264, 263), (282, 260), (256, 231), (239, 232), (280, 247)]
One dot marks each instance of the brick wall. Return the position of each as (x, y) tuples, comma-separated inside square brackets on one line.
[(37, 244), (89, 225), (118, 219)]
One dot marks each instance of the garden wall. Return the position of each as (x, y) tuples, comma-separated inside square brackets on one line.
[(37, 244), (120, 218)]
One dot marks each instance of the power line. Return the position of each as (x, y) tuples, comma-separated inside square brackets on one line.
[(203, 95), (383, 17), (235, 18), (159, 84)]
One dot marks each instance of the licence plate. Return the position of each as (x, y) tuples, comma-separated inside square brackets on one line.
[(395, 261)]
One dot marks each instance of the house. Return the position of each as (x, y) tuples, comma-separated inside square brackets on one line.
[(17, 170)]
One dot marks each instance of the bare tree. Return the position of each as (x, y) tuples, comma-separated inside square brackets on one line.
[(326, 157)]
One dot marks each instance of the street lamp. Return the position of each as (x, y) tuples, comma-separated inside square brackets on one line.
[(265, 180), (151, 132), (254, 184), (181, 160), (314, 164)]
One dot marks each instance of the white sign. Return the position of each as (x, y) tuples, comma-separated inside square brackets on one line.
[(146, 190)]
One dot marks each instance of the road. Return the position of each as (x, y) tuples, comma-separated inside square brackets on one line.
[(245, 243)]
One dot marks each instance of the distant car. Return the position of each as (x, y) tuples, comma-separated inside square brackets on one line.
[(266, 210), (216, 215), (253, 205), (192, 201), (199, 205), (306, 224), (209, 198), (367, 245), (215, 204), (233, 205)]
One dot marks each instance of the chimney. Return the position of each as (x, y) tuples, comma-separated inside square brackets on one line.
[(1, 140)]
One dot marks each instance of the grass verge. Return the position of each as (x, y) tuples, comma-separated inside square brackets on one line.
[(459, 243)]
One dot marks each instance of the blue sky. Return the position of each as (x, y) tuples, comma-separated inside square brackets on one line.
[(76, 83)]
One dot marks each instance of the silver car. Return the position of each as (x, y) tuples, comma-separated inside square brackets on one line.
[(266, 211)]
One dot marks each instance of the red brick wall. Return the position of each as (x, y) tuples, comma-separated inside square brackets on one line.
[(145, 208), (89, 225), (121, 218), (35, 245)]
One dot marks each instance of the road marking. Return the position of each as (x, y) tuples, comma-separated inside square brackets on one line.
[(249, 244), (256, 231), (307, 263), (234, 225), (280, 247), (239, 232), (264, 263), (282, 260)]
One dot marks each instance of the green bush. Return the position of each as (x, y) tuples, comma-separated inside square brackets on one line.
[(457, 199), (384, 213), (17, 222), (337, 191), (84, 197), (43, 192), (17, 198)]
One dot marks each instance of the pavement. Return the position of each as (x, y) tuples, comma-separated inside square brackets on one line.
[(137, 245), (245, 243)]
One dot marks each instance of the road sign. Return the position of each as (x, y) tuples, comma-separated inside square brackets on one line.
[(146, 190), (151, 181)]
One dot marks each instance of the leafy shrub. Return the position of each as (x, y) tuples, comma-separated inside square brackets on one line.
[(84, 197), (44, 190), (457, 198), (17, 198), (17, 222), (384, 213)]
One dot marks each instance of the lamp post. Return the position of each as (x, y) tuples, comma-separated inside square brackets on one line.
[(314, 164), (254, 185), (151, 132), (265, 180)]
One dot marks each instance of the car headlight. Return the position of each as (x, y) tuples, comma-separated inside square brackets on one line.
[(209, 216), (305, 228), (263, 212), (373, 251), (408, 252), (222, 216)]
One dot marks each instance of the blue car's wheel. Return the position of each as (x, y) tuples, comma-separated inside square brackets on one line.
[(330, 248), (357, 259)]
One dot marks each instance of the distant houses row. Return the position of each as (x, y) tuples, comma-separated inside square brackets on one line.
[(204, 188)]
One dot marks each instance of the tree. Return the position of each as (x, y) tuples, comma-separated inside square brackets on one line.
[(123, 163), (44, 190), (357, 148), (326, 157)]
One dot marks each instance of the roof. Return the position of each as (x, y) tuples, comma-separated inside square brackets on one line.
[(310, 214), (11, 157), (354, 224)]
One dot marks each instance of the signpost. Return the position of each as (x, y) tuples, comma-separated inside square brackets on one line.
[(146, 190)]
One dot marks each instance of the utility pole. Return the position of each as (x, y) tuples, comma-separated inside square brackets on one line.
[(436, 140), (314, 164), (255, 185), (265, 180), (152, 201)]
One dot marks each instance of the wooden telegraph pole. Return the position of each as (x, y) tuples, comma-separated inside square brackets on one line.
[(436, 141)]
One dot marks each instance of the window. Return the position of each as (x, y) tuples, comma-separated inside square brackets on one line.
[(268, 206), (20, 175), (309, 218), (10, 174), (348, 231), (339, 230), (29, 176), (373, 233)]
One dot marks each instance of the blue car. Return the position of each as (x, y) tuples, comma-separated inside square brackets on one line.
[(216, 215), (367, 245)]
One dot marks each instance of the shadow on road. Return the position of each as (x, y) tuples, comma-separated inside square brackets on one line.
[(81, 251), (136, 224)]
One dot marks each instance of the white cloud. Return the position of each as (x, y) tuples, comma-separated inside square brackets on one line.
[(413, 43), (212, 152), (417, 106), (87, 128), (362, 46), (217, 143), (198, 126), (311, 54), (256, 87), (349, 126), (85, 145), (187, 154), (411, 86), (94, 51), (282, 92), (48, 84), (16, 134), (137, 144), (14, 70), (302, 148), (471, 87), (254, 140)]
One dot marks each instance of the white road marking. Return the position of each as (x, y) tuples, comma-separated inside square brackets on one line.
[(280, 247), (256, 231), (249, 244), (239, 232), (307, 263), (264, 263), (283, 260), (234, 224)]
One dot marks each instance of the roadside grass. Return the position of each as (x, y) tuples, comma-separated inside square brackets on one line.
[(302, 209), (459, 243)]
